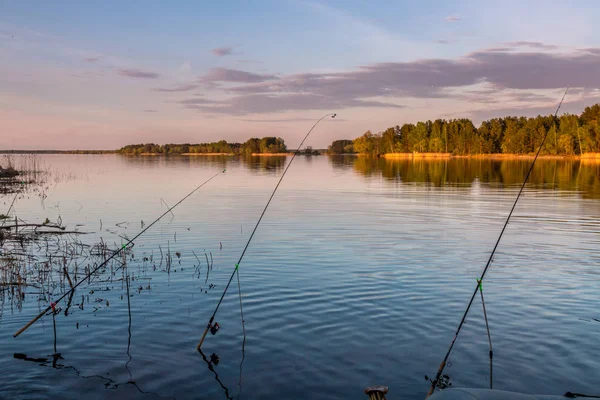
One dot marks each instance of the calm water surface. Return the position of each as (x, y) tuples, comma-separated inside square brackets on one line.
[(358, 275)]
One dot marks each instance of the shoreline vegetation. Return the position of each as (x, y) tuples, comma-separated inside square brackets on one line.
[(569, 135), (266, 145)]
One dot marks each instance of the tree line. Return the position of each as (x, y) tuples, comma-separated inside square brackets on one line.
[(266, 145), (568, 134)]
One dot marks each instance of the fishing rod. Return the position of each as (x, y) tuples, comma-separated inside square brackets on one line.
[(237, 265), (115, 253), (435, 381)]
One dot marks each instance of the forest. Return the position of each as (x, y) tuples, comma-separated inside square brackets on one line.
[(567, 135), (266, 145)]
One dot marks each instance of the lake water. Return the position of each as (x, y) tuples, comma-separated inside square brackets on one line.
[(358, 275)]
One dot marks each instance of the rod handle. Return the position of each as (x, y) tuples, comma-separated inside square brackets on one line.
[(40, 315), (430, 392), (202, 339), (432, 388)]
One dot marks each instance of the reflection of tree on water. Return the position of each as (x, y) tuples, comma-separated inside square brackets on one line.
[(343, 162), (254, 163), (264, 163), (567, 175), (155, 161)]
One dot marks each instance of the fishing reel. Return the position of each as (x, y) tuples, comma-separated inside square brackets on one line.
[(443, 383), (54, 309), (214, 328)]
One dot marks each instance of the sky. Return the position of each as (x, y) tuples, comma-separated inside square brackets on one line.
[(101, 75)]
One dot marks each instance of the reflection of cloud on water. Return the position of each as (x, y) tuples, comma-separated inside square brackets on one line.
[(384, 275)]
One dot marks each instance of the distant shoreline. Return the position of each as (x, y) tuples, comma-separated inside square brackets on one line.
[(389, 156), (75, 152), (58, 151)]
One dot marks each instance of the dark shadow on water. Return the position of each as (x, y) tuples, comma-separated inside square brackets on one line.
[(109, 383), (211, 363), (213, 360)]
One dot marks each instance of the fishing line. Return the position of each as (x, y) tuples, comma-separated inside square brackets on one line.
[(241, 308), (237, 265), (487, 327), (115, 253), (128, 328), (9, 208), (435, 381)]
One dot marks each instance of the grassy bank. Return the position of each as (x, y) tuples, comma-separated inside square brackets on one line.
[(590, 156), (208, 154), (8, 172), (272, 154), (417, 155)]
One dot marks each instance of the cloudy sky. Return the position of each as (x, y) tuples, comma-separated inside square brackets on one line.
[(99, 75)]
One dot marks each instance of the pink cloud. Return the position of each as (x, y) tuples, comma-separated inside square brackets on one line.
[(136, 73), (222, 51)]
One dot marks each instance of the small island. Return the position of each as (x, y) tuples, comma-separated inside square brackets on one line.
[(267, 145)]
